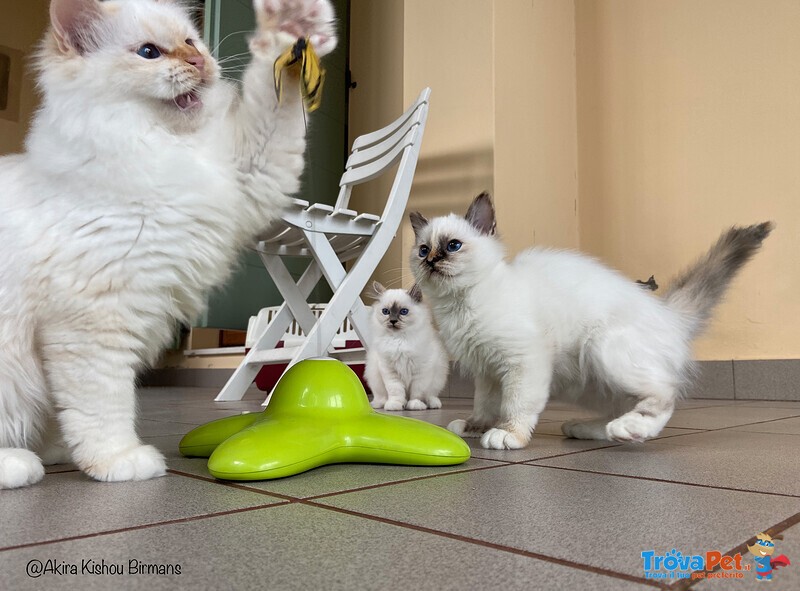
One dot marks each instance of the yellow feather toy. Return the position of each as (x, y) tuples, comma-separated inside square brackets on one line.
[(302, 60)]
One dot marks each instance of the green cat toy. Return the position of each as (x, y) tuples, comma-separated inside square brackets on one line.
[(319, 414)]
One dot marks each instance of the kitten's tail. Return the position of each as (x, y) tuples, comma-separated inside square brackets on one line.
[(696, 291)]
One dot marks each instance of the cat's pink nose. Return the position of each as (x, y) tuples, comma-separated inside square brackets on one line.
[(198, 61)]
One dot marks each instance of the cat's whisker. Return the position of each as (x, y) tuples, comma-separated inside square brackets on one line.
[(225, 38)]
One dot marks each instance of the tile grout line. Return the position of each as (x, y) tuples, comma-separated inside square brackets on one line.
[(486, 544), (664, 480), (292, 499), (415, 479), (772, 531), (140, 527)]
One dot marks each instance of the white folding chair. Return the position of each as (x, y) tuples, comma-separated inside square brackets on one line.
[(331, 236)]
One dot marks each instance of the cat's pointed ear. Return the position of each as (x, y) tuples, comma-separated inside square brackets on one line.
[(74, 23), (377, 290), (418, 221), (481, 214), (416, 293)]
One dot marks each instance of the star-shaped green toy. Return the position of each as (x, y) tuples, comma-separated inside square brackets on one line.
[(319, 414)]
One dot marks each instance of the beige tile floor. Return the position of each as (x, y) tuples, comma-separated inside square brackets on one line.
[(560, 514)]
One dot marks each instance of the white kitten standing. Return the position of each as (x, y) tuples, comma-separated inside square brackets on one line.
[(407, 364), (562, 323), (143, 177)]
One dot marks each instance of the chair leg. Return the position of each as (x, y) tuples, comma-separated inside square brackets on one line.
[(244, 375), (292, 295)]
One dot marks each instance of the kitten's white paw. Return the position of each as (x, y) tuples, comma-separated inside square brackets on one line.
[(19, 467), (377, 403), (585, 429), (415, 404), (314, 19), (502, 439), (629, 429), (434, 402), (463, 428), (139, 463), (393, 405)]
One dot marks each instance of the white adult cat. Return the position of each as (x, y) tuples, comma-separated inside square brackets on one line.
[(143, 177), (560, 322), (407, 363)]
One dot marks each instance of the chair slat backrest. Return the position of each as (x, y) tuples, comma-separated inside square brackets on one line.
[(374, 137), (375, 152)]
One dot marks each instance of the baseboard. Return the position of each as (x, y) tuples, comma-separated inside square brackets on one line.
[(765, 379)]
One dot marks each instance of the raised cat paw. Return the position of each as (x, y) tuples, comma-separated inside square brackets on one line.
[(314, 19), (139, 463), (19, 467), (502, 439), (629, 429)]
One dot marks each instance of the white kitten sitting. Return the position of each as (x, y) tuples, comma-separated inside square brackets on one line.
[(560, 322), (407, 364), (144, 176)]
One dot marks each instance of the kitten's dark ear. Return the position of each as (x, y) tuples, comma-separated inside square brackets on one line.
[(481, 214), (74, 24), (418, 221), (416, 293), (377, 290)]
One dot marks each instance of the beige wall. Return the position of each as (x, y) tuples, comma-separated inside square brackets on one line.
[(22, 24), (635, 130), (535, 152), (688, 122)]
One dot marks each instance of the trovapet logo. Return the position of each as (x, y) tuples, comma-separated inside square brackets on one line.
[(716, 565), (676, 565)]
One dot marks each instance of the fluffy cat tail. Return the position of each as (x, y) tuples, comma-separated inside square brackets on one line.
[(696, 291)]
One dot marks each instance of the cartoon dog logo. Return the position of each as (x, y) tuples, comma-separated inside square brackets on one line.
[(762, 550)]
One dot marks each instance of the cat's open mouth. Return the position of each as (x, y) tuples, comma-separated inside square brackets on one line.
[(188, 101)]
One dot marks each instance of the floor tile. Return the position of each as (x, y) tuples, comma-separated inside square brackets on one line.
[(604, 521), (759, 462), (296, 547), (70, 504), (150, 428), (719, 417), (783, 426)]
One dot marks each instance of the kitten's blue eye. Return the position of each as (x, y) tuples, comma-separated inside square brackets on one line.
[(403, 311), (385, 311), (148, 51), (453, 246), (190, 42), (423, 251)]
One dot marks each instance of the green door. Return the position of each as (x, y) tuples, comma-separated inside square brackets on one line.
[(227, 25)]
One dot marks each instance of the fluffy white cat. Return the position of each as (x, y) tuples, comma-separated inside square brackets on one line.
[(143, 177), (407, 364), (562, 323)]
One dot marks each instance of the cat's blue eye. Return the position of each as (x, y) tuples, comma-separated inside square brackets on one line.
[(453, 246), (148, 51), (403, 311), (385, 311), (189, 42), (423, 251)]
